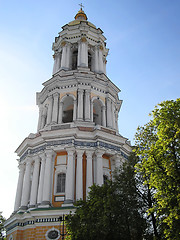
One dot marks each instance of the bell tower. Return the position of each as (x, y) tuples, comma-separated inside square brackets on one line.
[(77, 143)]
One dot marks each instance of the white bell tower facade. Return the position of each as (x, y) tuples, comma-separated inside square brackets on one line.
[(77, 143)]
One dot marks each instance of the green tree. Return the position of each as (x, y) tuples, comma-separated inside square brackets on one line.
[(112, 211), (158, 147), (2, 228)]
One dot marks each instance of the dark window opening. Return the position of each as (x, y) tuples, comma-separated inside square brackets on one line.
[(105, 179), (74, 60), (61, 179), (67, 116), (89, 60)]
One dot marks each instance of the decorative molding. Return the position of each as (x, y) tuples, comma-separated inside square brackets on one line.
[(75, 143)]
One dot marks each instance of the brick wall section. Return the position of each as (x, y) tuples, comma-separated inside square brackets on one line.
[(37, 233)]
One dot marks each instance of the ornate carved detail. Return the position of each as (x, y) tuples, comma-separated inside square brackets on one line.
[(63, 43), (83, 39)]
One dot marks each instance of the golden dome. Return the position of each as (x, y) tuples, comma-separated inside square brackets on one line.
[(81, 15)]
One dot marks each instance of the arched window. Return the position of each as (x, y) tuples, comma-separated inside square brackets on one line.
[(61, 180), (74, 60), (97, 114), (68, 110)]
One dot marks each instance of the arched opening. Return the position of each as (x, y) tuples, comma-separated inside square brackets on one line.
[(67, 110), (89, 60), (97, 114), (74, 59), (61, 180)]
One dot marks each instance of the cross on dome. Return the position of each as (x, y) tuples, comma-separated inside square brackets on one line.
[(81, 15), (81, 6)]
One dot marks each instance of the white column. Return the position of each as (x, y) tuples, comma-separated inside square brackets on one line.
[(80, 104), (84, 54), (55, 108), (105, 66), (34, 188), (63, 58), (70, 177), (116, 119), (87, 105), (79, 175), (104, 116), (113, 116), (56, 62), (79, 54), (41, 179), (50, 106), (68, 48), (60, 112), (19, 187), (44, 116), (89, 173), (101, 67), (109, 113), (26, 184), (47, 178), (91, 110), (74, 110), (99, 167), (40, 117), (96, 59)]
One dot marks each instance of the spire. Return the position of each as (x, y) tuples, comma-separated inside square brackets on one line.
[(81, 15)]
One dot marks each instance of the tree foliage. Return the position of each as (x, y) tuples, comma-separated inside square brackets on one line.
[(112, 211), (2, 228), (158, 148)]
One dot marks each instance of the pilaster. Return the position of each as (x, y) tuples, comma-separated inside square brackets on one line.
[(79, 178), (99, 174), (26, 184), (41, 179), (70, 177), (89, 174), (50, 106), (80, 104), (19, 187), (87, 105), (47, 178), (55, 108)]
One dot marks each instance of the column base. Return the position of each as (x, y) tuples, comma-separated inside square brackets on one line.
[(68, 203), (44, 204), (23, 208)]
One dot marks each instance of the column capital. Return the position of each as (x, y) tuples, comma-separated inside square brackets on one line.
[(99, 152), (80, 90), (36, 159), (56, 95), (42, 156), (80, 151), (89, 153), (70, 151), (49, 153), (21, 166), (50, 97), (28, 160), (87, 91)]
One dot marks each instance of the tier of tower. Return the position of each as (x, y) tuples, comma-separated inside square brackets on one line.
[(37, 183), (82, 105)]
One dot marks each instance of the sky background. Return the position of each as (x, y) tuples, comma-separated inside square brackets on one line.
[(144, 62)]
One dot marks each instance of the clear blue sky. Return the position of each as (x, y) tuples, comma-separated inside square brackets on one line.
[(144, 62)]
